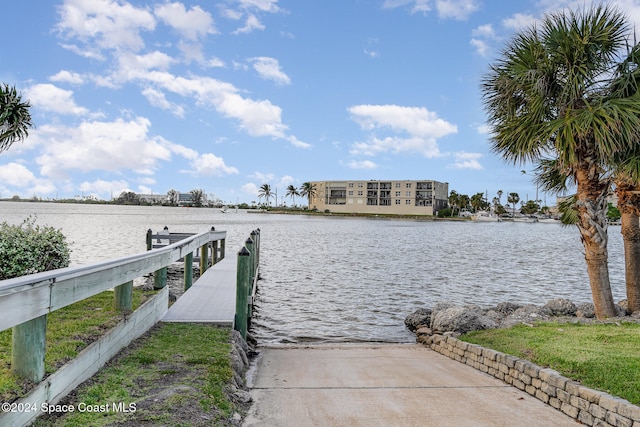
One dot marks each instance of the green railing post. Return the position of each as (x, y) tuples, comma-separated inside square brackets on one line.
[(188, 270), (250, 245), (242, 283), (255, 236), (28, 349), (160, 276), (123, 297), (204, 261)]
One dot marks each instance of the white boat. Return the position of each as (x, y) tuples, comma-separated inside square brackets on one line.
[(525, 219), (485, 217)]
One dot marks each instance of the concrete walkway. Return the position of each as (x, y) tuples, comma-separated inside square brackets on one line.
[(383, 385)]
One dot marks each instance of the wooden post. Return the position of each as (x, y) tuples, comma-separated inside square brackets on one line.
[(250, 247), (160, 276), (123, 297), (214, 252), (221, 249), (149, 240), (255, 236), (242, 283), (28, 349), (188, 270), (204, 261)]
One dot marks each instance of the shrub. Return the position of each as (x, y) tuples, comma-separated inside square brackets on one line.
[(28, 248)]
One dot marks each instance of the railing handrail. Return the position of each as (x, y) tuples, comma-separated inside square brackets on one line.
[(27, 297)]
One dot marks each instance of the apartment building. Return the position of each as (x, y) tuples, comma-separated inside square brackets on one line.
[(381, 197)]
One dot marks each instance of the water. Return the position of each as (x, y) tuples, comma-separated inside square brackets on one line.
[(352, 279)]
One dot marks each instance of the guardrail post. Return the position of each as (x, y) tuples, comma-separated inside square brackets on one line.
[(149, 240), (204, 261), (123, 297), (28, 349), (242, 283), (188, 270)]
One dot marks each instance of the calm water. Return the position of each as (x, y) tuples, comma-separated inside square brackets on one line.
[(349, 279)]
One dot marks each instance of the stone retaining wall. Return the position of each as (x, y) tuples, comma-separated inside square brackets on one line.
[(590, 407)]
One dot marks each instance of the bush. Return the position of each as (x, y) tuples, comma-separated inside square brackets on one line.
[(28, 248), (443, 213)]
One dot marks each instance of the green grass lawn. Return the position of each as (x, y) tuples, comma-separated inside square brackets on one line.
[(605, 357), (175, 375), (69, 331)]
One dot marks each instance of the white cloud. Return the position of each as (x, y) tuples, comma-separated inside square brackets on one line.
[(480, 46), (51, 98), (250, 188), (209, 164), (420, 129), (191, 24), (251, 24), (96, 145), (65, 76), (456, 9), (16, 175), (157, 99), (519, 21), (16, 178), (484, 31), (269, 69), (372, 53), (465, 160), (365, 164), (484, 129), (104, 188), (106, 24)]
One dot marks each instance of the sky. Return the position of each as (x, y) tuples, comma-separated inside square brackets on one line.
[(225, 96)]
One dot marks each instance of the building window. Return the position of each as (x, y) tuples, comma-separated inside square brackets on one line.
[(397, 194), (408, 193), (408, 185), (359, 185), (351, 185), (397, 201), (350, 193), (360, 193), (407, 202), (397, 185)]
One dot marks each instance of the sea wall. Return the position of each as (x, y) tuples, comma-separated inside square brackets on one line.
[(590, 407)]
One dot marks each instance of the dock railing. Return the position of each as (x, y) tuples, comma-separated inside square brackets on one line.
[(25, 301), (246, 283)]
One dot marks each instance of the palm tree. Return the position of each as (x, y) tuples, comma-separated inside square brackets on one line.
[(463, 201), (454, 201), (173, 197), (292, 192), (265, 192), (197, 197), (308, 190), (15, 118), (545, 97), (513, 198)]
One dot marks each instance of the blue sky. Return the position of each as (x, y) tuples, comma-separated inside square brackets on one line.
[(225, 96)]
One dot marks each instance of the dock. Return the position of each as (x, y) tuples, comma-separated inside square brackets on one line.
[(211, 299)]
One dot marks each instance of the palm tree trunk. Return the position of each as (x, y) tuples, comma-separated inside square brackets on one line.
[(630, 230), (592, 223)]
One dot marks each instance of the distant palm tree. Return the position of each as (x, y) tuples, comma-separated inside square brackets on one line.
[(308, 190), (513, 198), (173, 197), (292, 192), (549, 95), (197, 197), (454, 201), (15, 118), (265, 193)]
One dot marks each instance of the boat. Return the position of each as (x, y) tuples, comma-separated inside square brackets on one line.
[(484, 216), (525, 219)]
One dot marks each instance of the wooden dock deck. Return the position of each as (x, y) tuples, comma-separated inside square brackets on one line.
[(211, 299)]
